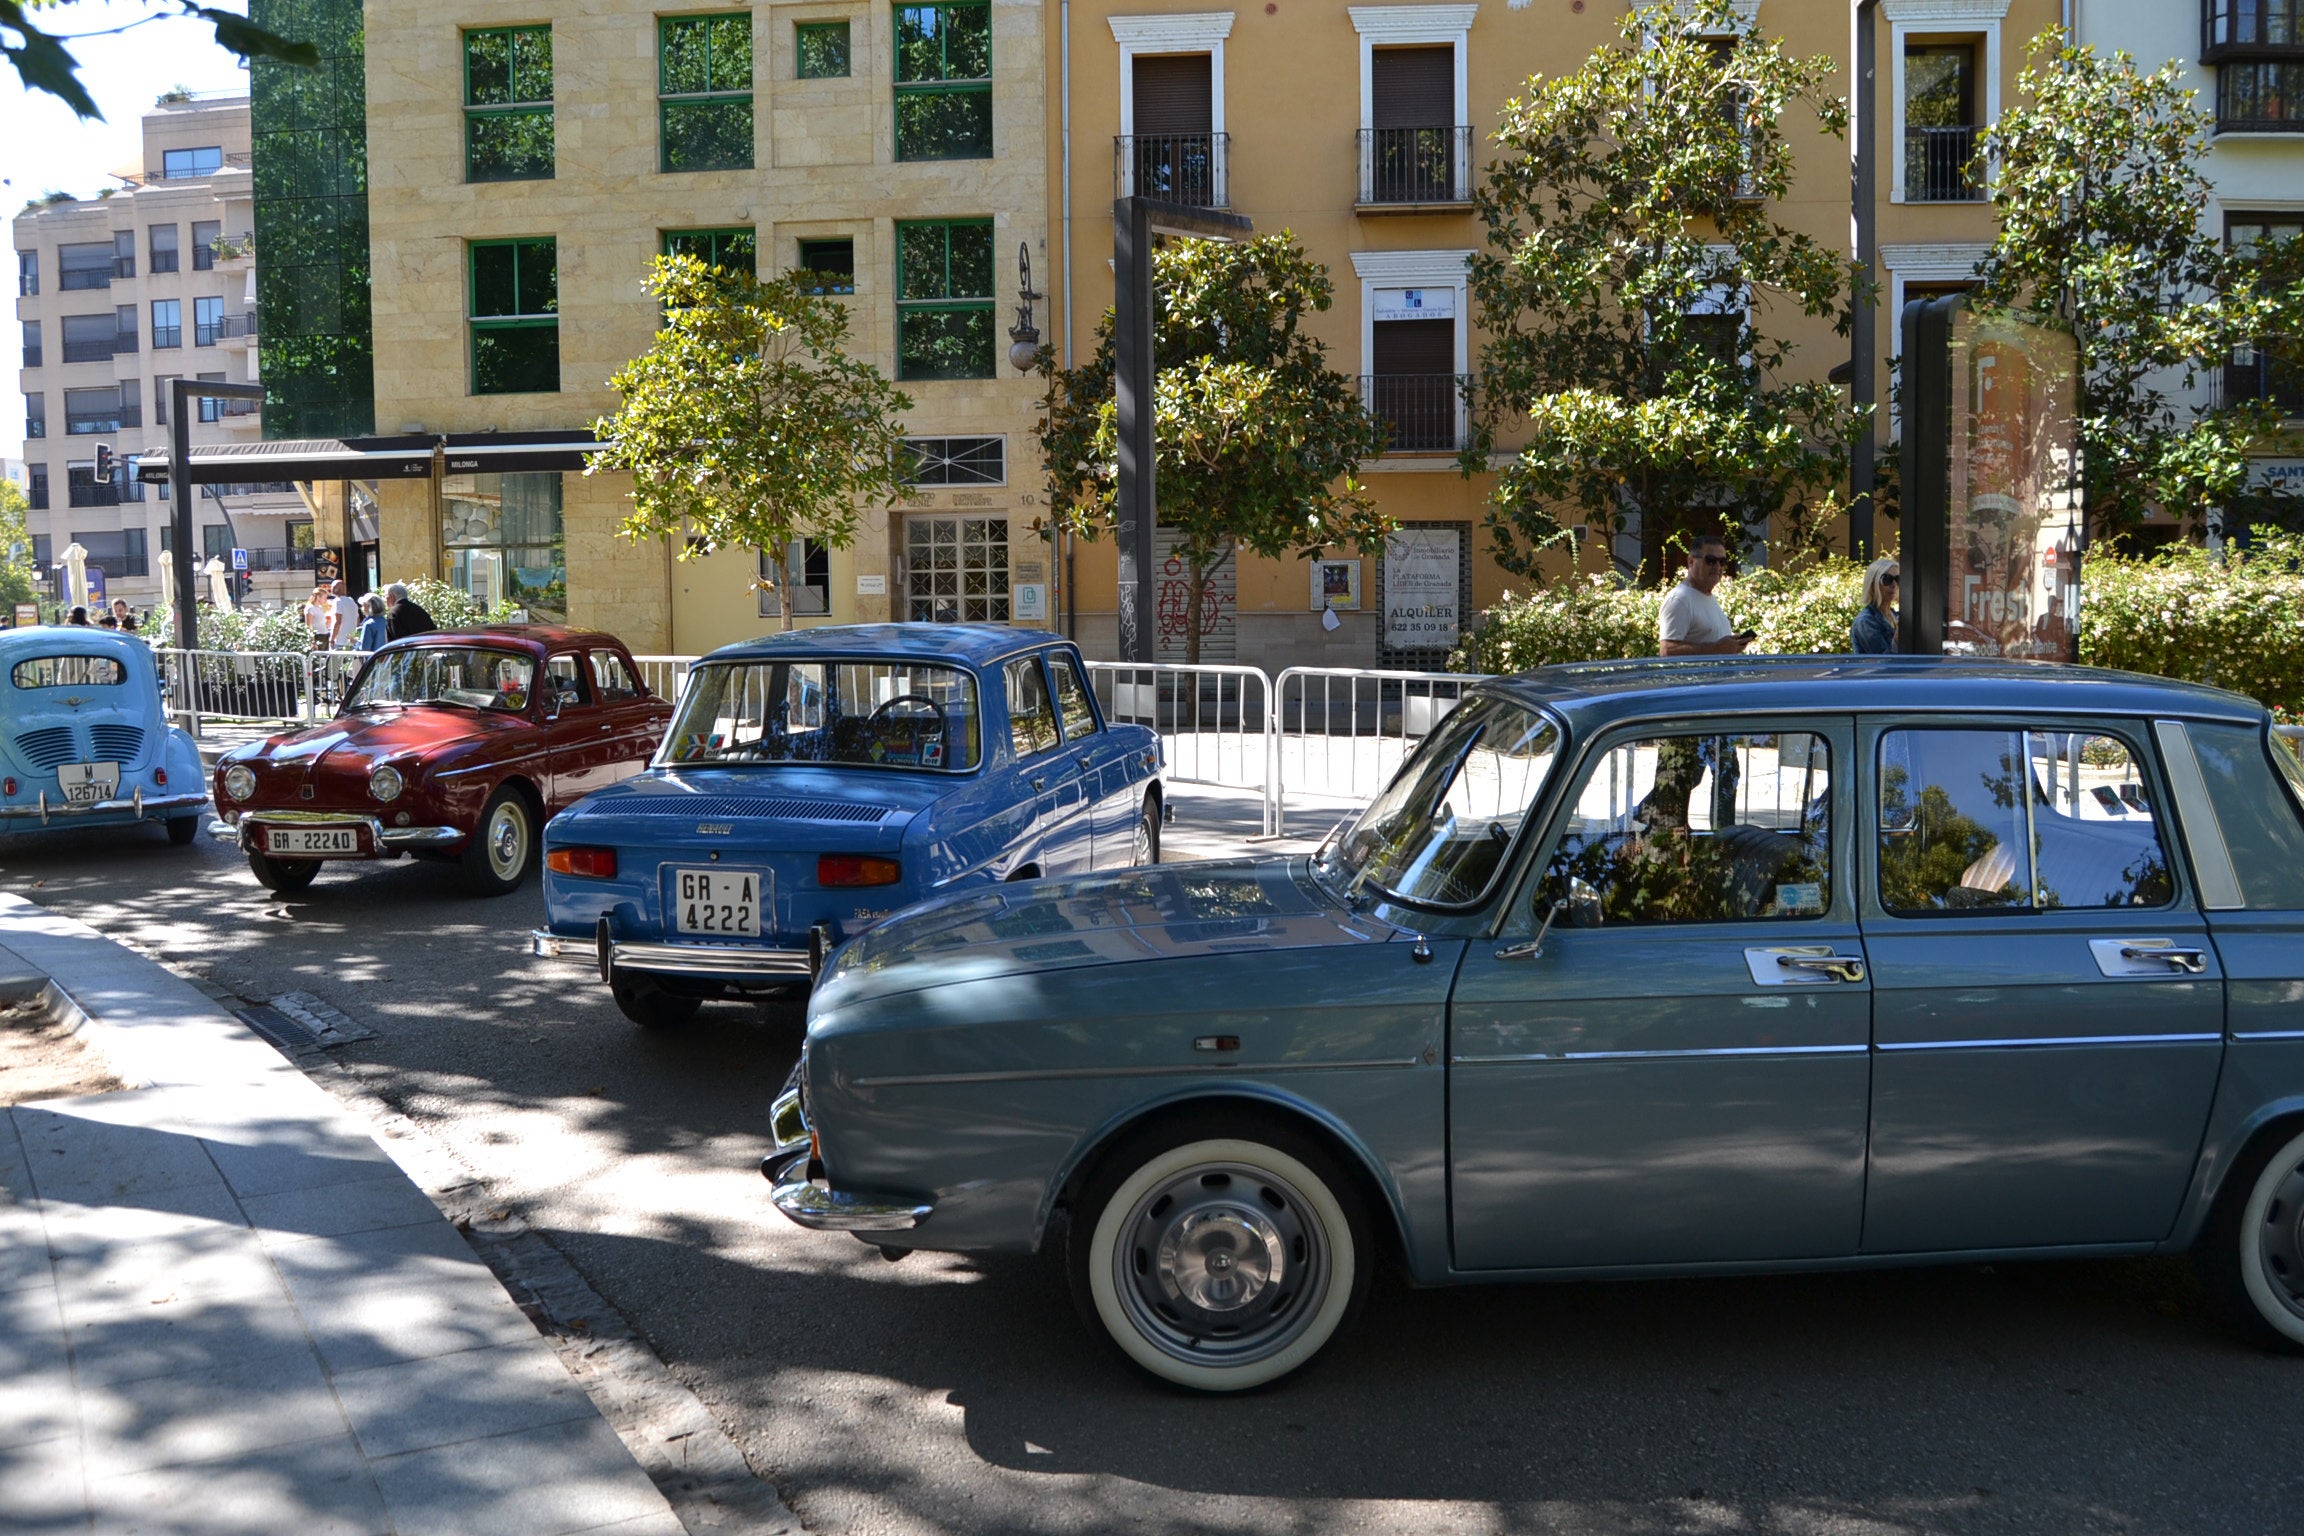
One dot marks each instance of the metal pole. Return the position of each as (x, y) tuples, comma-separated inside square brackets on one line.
[(181, 394), (1133, 302), (1863, 331)]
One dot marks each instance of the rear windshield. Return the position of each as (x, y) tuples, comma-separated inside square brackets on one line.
[(827, 711), (68, 672), (468, 677)]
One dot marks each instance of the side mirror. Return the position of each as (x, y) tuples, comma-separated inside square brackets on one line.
[(1583, 904)]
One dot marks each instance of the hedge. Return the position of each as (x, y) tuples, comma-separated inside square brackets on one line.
[(2236, 621)]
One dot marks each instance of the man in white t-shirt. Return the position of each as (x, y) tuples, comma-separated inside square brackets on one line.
[(343, 618), (1691, 622)]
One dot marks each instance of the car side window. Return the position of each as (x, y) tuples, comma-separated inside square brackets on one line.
[(2261, 820), (1697, 829), (617, 684), (1031, 718), (1072, 696), (564, 682), (1993, 820)]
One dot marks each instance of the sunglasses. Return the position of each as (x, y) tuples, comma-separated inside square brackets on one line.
[(1708, 560), (1891, 581)]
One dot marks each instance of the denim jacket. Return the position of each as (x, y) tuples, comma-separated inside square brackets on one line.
[(1873, 634)]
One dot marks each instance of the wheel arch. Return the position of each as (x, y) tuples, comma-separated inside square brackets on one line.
[(1253, 1105), (2228, 1177), (529, 790)]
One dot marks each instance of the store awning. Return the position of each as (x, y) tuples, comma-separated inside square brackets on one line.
[(508, 453), (312, 458)]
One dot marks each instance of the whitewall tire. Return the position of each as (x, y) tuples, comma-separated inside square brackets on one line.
[(2257, 1257)]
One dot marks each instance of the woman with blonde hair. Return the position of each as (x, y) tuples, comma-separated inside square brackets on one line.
[(1874, 631)]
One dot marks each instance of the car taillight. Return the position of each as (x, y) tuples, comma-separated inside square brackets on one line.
[(593, 863), (8, 785), (160, 777), (856, 869)]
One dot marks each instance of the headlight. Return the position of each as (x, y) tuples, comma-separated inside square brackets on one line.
[(385, 784), (239, 781)]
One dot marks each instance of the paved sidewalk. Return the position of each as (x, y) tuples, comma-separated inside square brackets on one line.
[(223, 1308)]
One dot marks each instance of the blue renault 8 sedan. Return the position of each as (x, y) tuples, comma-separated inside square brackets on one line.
[(1665, 967), (85, 739), (814, 782)]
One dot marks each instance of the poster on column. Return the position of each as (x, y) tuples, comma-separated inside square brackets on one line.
[(1423, 577), (2013, 486)]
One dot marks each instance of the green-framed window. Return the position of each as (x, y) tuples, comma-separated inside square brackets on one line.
[(833, 261), (704, 91), (944, 81), (736, 250), (820, 50), (515, 317), (508, 104), (944, 306)]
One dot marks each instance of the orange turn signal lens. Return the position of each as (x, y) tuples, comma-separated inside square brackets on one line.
[(593, 863), (856, 869)]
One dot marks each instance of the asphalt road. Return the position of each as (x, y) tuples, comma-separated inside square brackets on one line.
[(952, 1395)]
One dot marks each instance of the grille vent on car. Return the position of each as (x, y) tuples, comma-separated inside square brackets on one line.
[(730, 807), (46, 748), (116, 743)]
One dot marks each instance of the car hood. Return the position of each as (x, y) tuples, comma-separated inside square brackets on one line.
[(1166, 912), (367, 738)]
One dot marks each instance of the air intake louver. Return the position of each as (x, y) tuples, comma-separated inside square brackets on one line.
[(734, 807), (117, 743), (46, 748)]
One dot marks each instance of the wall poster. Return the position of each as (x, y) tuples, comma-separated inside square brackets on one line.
[(1423, 597)]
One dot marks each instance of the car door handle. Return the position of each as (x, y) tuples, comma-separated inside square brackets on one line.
[(2190, 961), (1838, 967), (1041, 782)]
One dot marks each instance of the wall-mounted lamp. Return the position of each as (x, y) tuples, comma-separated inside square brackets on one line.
[(1024, 336)]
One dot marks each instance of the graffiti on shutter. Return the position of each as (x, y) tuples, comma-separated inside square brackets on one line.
[(1219, 606)]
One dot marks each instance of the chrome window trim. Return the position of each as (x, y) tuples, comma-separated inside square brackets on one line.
[(2196, 816)]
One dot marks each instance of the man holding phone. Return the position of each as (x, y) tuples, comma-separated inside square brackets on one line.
[(1691, 622)]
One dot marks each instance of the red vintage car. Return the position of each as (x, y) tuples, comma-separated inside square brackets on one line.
[(455, 746)]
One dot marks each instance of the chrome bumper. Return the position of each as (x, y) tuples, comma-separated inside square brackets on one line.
[(382, 838), (135, 805), (799, 1190), (711, 961)]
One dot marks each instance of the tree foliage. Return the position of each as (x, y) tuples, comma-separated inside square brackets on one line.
[(16, 569), (43, 63), (747, 425), (1633, 257), (1257, 438), (2102, 205)]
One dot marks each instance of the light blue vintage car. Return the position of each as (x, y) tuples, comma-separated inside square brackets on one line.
[(814, 782), (1670, 967), (85, 739)]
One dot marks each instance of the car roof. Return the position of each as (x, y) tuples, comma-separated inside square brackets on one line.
[(68, 640), (971, 644), (1593, 695), (538, 638)]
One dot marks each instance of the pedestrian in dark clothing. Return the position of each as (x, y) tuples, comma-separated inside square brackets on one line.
[(1874, 631), (79, 616), (405, 616)]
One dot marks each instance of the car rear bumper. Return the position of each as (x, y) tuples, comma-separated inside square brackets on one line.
[(798, 1187), (382, 840), (710, 962), (135, 807)]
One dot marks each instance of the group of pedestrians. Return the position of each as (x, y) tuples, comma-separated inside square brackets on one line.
[(1691, 621), (119, 617), (339, 622)]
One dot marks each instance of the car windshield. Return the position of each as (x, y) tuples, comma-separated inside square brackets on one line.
[(68, 672), (469, 677), (1438, 833), (827, 710)]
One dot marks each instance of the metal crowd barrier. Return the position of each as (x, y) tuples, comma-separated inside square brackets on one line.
[(248, 687), (1212, 719), (664, 675), (1341, 732)]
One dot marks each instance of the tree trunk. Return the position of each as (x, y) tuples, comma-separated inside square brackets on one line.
[(1196, 598), (772, 577)]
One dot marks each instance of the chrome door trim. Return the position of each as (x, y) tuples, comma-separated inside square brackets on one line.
[(2150, 959), (2268, 1034), (1715, 1051), (1231, 1068), (2039, 1041), (2196, 817)]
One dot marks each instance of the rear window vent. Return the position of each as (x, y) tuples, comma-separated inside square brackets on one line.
[(735, 807)]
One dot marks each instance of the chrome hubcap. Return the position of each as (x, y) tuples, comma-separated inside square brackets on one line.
[(2281, 1244), (1222, 1264), (1143, 851), (507, 841)]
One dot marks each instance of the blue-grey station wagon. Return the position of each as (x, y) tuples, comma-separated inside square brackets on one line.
[(1644, 968), (814, 782), (86, 736)]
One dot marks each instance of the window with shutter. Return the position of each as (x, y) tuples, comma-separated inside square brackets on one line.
[(1415, 146), (1171, 152), (1414, 389)]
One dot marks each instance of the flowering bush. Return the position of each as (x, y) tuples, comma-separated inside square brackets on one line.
[(1601, 618)]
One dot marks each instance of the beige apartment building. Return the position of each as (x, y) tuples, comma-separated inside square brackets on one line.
[(522, 173), (118, 294)]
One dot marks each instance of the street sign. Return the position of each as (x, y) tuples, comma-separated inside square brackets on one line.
[(239, 559)]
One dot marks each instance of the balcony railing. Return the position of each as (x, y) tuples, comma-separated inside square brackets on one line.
[(1415, 165), (280, 559), (1175, 167), (1939, 165), (92, 351), (88, 423), (1422, 412), (2262, 375), (72, 279)]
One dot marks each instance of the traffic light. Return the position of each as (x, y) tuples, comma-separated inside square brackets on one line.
[(103, 471)]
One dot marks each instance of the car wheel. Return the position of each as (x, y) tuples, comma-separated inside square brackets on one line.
[(649, 1005), (2253, 1258), (287, 876), (1147, 847), (1219, 1262), (500, 849), (182, 829)]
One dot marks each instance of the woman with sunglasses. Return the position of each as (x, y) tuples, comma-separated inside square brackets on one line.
[(1874, 631)]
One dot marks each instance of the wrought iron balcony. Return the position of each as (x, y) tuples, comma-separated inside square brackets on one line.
[(1422, 412), (1939, 165), (1175, 167), (1415, 167)]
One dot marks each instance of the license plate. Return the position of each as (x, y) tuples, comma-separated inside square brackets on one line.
[(311, 839), (88, 783), (721, 903)]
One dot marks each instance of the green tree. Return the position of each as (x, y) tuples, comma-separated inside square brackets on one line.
[(2102, 205), (1256, 438), (1633, 255), (43, 63), (15, 548), (747, 425)]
